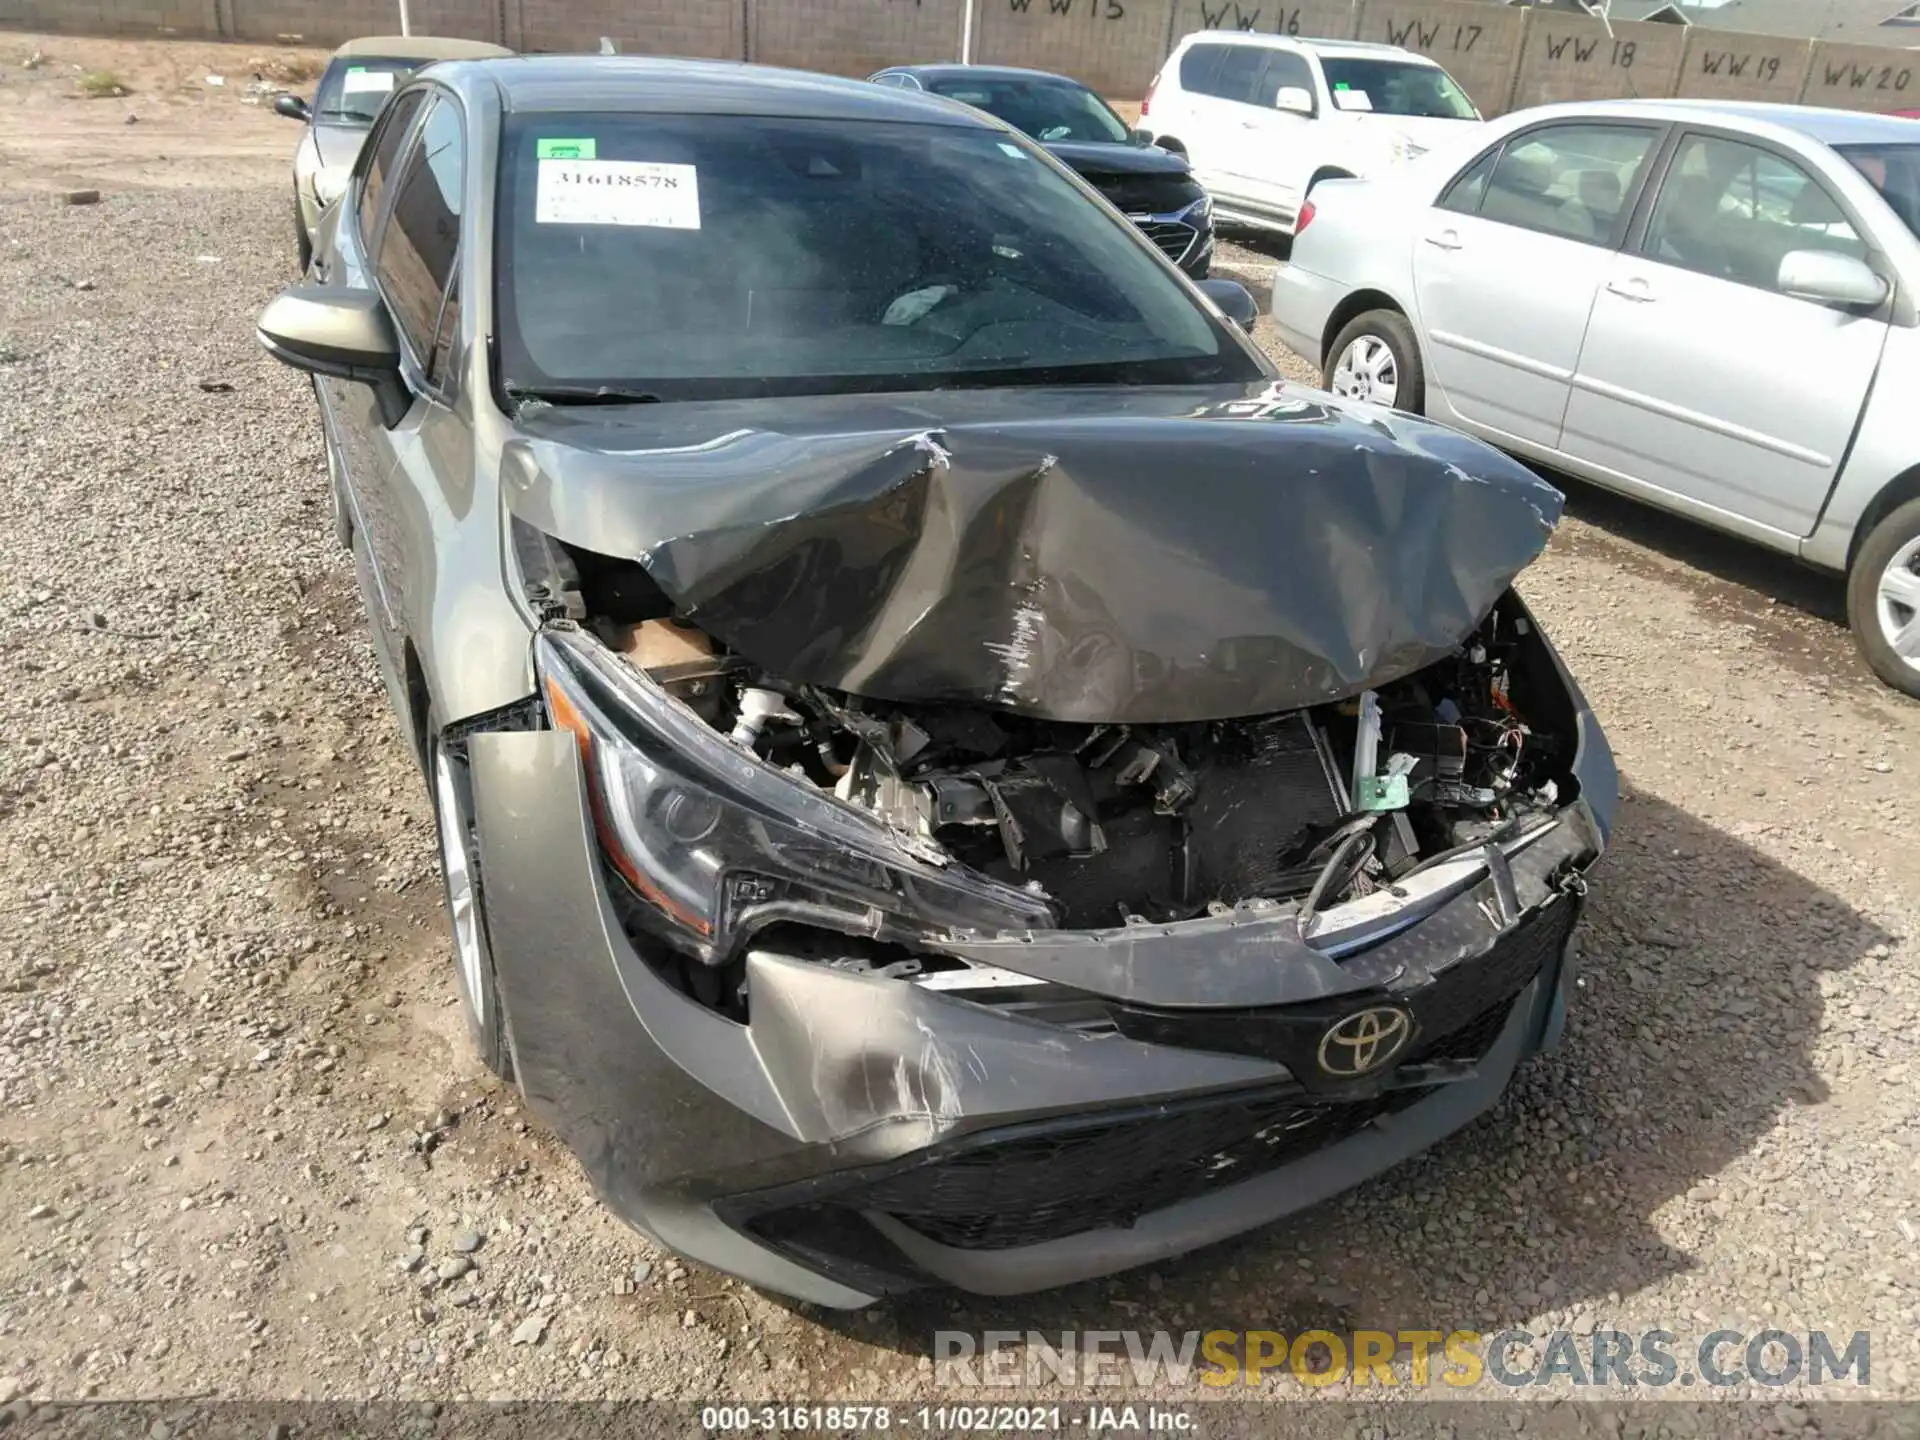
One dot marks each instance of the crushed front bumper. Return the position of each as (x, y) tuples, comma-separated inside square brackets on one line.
[(863, 1135)]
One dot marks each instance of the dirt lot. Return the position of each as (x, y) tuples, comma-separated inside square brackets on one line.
[(245, 1150)]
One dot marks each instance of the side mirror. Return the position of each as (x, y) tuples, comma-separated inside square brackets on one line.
[(1830, 278), (1141, 137), (1294, 99), (1233, 299), (291, 106), (342, 332)]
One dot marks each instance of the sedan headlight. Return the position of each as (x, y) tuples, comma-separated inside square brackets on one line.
[(714, 843), (327, 185), (1201, 210)]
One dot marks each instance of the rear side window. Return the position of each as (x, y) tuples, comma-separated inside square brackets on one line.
[(1464, 195), (1284, 69), (1568, 180), (1198, 66), (417, 250), (1239, 72), (383, 149)]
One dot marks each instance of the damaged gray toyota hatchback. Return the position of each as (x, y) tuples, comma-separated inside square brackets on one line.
[(947, 769)]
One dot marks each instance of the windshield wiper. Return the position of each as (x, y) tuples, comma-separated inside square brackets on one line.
[(581, 395)]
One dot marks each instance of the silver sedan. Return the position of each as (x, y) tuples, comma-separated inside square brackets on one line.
[(1708, 307)]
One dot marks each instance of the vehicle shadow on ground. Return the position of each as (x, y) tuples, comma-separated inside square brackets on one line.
[(1774, 576), (1692, 1034), (1270, 243)]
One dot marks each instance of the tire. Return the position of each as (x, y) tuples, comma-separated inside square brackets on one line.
[(447, 786), (1384, 362), (1883, 599), (303, 242)]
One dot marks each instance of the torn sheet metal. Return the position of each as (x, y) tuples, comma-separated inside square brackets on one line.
[(1146, 555)]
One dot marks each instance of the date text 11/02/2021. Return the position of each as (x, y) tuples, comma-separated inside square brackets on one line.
[(941, 1419)]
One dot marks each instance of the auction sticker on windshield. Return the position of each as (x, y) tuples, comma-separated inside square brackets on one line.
[(617, 192), (360, 78)]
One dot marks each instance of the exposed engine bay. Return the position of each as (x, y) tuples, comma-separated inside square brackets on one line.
[(1124, 824), (1118, 823)]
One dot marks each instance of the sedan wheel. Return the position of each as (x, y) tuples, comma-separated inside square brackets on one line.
[(1899, 603), (1376, 360), (1883, 599), (1366, 371)]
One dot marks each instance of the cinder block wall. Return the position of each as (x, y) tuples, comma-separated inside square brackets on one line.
[(1504, 57), (709, 29), (330, 22), (112, 17), (853, 37)]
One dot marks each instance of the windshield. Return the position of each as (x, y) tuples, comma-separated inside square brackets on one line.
[(352, 91), (1893, 170), (1394, 87), (709, 257), (1044, 109)]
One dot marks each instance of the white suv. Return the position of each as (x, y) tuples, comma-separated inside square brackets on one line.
[(1263, 118)]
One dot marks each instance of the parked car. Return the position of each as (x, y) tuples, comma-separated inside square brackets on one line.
[(1266, 118), (894, 833), (1153, 188), (359, 78), (1709, 307)]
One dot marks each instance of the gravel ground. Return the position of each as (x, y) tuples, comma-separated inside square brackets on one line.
[(245, 1150)]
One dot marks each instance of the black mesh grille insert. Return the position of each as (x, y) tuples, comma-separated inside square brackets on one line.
[(1025, 1191), (1465, 992)]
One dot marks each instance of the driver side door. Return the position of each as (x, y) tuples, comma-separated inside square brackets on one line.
[(361, 455)]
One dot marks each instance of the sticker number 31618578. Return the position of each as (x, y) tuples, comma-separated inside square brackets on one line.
[(617, 192)]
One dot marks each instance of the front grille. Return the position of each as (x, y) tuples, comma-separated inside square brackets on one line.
[(1173, 237), (1465, 993), (1469, 1042), (1023, 1191)]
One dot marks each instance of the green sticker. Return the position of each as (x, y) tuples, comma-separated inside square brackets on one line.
[(563, 150), (1340, 85)]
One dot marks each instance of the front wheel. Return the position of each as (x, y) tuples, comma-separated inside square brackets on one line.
[(1376, 359), (1883, 599), (479, 991)]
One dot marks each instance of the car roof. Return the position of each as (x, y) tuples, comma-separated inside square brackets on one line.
[(651, 85), (1354, 48), (1829, 127), (421, 47), (980, 72)]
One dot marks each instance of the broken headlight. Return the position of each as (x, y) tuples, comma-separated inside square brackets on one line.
[(713, 843)]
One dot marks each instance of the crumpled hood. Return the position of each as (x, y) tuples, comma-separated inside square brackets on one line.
[(1091, 555)]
